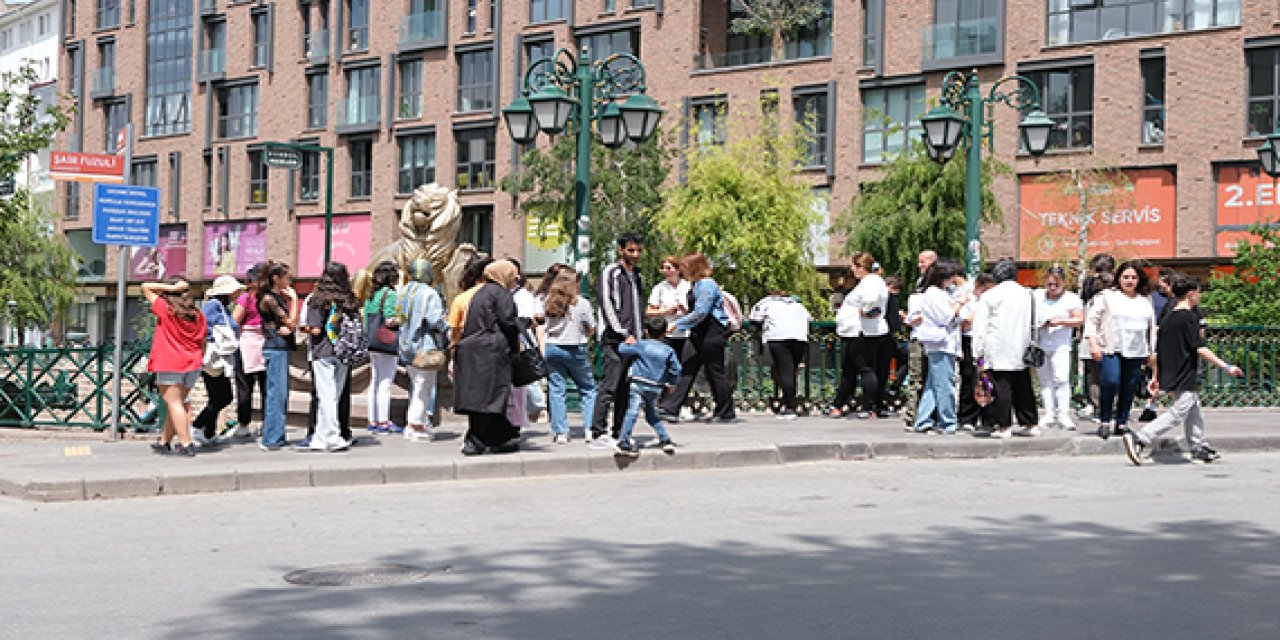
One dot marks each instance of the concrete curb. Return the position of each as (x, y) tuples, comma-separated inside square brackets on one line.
[(341, 472)]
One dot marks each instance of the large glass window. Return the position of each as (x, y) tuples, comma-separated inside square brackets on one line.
[(534, 51), (357, 25), (1067, 96), (1264, 90), (238, 110), (602, 45), (108, 14), (317, 100), (1153, 111), (477, 227), (964, 28), (546, 10), (259, 174), (476, 157), (115, 117), (1085, 20), (811, 114), (890, 120), (169, 62), (143, 173), (417, 161), (475, 80), (872, 31), (309, 176), (261, 38), (410, 89), (361, 152), (709, 118), (363, 96), (811, 40)]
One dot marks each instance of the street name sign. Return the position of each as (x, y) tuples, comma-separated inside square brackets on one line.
[(126, 215), (86, 167), (282, 157)]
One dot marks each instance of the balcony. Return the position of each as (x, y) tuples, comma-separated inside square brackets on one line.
[(358, 114), (103, 83), (422, 30), (318, 46), (212, 64), (819, 47), (963, 43)]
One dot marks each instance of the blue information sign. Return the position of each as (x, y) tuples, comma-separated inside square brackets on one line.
[(126, 215)]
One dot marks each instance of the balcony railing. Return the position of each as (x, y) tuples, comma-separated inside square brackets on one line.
[(798, 50), (213, 63), (359, 114), (103, 83), (967, 39), (318, 46), (422, 28)]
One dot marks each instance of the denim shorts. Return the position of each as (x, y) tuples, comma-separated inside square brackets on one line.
[(187, 379)]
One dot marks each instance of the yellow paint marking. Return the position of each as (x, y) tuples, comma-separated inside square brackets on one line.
[(76, 452)]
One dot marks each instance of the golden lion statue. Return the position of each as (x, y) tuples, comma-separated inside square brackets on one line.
[(429, 224)]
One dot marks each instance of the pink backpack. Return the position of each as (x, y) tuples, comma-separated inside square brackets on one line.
[(733, 310)]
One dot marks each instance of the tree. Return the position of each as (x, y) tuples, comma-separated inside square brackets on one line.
[(745, 206), (626, 192), (1063, 222), (1251, 293), (777, 19), (37, 266), (918, 204)]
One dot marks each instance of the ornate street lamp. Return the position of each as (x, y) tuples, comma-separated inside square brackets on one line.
[(519, 117), (962, 116)]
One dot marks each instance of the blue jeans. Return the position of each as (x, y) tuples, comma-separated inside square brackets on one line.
[(1119, 377), (643, 394), (569, 361), (939, 393), (275, 407)]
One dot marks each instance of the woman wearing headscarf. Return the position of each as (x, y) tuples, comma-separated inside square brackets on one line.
[(482, 363), (217, 379), (423, 311)]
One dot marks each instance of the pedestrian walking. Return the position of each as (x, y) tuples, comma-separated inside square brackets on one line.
[(917, 363), (220, 348), (251, 367), (654, 368), (1060, 311), (708, 326), (1001, 334), (569, 323), (621, 313), (422, 334), (784, 325), (381, 323), (1175, 368), (278, 307), (1101, 276), (1121, 332), (482, 369), (939, 334), (326, 307), (177, 351)]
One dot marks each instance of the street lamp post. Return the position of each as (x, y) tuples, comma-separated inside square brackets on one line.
[(1269, 153), (962, 115), (563, 85)]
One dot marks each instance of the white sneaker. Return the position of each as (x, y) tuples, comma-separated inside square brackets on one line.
[(1065, 422), (603, 443), (198, 437), (1030, 432), (1000, 433), (413, 435), (560, 438)]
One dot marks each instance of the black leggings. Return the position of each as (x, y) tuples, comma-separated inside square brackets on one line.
[(706, 342), (865, 361), (219, 390), (1013, 397), (244, 391), (787, 356)]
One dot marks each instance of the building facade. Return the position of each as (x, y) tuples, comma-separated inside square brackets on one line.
[(29, 37), (1174, 93)]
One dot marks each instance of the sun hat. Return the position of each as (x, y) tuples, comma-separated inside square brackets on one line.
[(224, 285)]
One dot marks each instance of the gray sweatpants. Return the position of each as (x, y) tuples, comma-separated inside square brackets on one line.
[(1186, 412)]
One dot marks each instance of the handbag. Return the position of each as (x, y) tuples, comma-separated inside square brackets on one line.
[(1033, 357), (381, 337), (528, 366), (218, 351), (434, 359)]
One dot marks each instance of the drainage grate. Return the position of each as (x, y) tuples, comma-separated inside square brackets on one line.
[(360, 575)]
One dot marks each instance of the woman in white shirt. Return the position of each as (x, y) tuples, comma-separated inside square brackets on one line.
[(785, 324), (939, 334), (865, 340), (1058, 311), (569, 321), (669, 300), (1121, 332)]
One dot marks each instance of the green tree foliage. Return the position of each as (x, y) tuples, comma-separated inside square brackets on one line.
[(1250, 294), (918, 204), (626, 193), (747, 208), (37, 267), (777, 19)]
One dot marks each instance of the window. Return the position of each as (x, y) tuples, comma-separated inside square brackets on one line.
[(965, 29), (1085, 20), (1264, 90), (108, 14), (709, 115), (811, 40), (476, 154), (547, 10), (104, 77), (535, 51), (358, 25), (238, 110), (70, 23), (169, 54), (417, 161), (309, 177), (424, 24), (610, 6), (259, 178), (361, 152), (317, 100), (477, 228), (143, 172), (602, 45), (304, 16), (890, 120), (116, 116), (410, 102), (42, 24), (636, 4), (363, 97), (175, 184), (872, 32), (75, 62), (261, 38), (1067, 95), (471, 16), (475, 80), (811, 113), (206, 160), (213, 58), (1153, 113)]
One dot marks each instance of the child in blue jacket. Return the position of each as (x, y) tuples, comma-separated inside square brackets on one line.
[(654, 367)]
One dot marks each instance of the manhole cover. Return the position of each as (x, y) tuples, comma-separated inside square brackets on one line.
[(359, 575)]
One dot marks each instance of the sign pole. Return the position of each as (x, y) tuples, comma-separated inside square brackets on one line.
[(122, 267)]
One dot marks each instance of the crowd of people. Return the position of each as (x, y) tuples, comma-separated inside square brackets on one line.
[(968, 348)]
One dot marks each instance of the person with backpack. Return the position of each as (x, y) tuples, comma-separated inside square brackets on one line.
[(328, 305), (381, 324), (708, 326), (220, 349), (422, 347)]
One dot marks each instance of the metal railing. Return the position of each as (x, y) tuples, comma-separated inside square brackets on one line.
[(104, 82), (793, 50), (213, 62), (71, 387), (359, 111), (960, 40), (417, 28)]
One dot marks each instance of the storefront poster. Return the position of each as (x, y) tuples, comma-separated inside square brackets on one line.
[(168, 259), (1245, 197), (351, 235), (230, 248), (546, 243), (1138, 219)]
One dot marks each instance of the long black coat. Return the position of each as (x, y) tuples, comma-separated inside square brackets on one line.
[(482, 362)]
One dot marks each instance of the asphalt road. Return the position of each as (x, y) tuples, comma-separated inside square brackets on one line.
[(1044, 548)]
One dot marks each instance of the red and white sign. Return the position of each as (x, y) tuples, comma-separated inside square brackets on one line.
[(1246, 197), (86, 167), (1132, 220)]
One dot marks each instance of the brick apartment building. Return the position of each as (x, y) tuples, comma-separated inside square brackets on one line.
[(1176, 92)]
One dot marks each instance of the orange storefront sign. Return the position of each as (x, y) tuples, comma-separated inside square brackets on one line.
[(1246, 197), (1138, 219)]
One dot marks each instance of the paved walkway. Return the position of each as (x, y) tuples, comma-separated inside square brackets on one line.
[(61, 467)]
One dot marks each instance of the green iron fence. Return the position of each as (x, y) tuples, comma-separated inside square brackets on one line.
[(71, 387)]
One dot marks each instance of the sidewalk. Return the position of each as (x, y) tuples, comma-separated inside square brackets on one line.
[(65, 468)]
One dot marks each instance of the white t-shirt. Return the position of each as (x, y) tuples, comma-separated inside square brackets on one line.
[(664, 295), (1133, 318), (784, 318), (1055, 338), (526, 304)]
